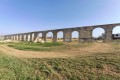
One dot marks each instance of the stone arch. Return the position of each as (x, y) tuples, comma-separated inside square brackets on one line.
[(116, 30), (75, 36), (98, 33), (49, 36), (60, 36)]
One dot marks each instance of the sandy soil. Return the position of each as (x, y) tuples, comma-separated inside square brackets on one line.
[(84, 51)]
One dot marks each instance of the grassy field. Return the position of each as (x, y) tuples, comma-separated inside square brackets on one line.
[(49, 46), (34, 46), (98, 66)]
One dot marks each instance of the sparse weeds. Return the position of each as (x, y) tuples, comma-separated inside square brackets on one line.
[(34, 46)]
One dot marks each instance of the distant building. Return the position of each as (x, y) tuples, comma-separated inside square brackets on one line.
[(102, 36), (116, 36)]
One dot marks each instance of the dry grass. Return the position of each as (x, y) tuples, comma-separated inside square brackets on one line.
[(71, 61), (66, 50)]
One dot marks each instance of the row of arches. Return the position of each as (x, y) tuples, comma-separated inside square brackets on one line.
[(96, 33), (60, 35), (99, 33)]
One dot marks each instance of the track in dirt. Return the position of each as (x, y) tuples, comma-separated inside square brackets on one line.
[(84, 51)]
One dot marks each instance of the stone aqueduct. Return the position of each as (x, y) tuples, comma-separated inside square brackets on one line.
[(85, 33)]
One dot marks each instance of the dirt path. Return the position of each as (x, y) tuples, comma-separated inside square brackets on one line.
[(84, 51), (29, 54)]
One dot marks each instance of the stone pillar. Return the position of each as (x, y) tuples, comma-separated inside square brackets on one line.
[(108, 33), (4, 37), (14, 37), (67, 35), (18, 37), (0, 37), (27, 37), (22, 37), (11, 37), (44, 36), (54, 36), (7, 37), (35, 36), (85, 34), (30, 37)]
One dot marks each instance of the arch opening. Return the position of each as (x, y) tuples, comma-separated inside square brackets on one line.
[(60, 36), (75, 36), (116, 33), (98, 34), (49, 37), (39, 38)]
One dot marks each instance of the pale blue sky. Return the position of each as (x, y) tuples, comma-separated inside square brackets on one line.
[(18, 16)]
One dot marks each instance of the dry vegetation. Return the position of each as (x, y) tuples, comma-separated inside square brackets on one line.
[(60, 61)]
